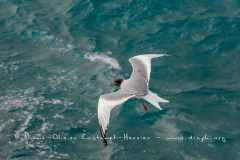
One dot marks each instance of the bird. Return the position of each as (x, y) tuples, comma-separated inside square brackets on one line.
[(136, 86)]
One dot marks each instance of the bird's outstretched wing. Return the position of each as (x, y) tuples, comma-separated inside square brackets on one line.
[(105, 104), (141, 65)]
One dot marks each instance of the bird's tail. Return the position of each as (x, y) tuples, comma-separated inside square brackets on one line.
[(154, 99)]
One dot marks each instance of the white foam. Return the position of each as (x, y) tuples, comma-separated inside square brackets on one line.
[(4, 124), (63, 155), (45, 126), (56, 101), (25, 125), (100, 57), (85, 122), (165, 127), (19, 100), (58, 116)]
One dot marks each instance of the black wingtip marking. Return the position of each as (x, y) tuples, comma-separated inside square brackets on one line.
[(103, 136), (174, 55)]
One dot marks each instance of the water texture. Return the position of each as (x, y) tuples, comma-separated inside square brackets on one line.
[(57, 57)]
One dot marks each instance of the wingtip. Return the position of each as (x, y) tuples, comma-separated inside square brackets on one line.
[(105, 143), (172, 55), (103, 134)]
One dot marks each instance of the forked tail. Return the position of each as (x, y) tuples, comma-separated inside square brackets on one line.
[(154, 99)]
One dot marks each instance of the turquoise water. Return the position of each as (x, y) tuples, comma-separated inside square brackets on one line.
[(57, 58)]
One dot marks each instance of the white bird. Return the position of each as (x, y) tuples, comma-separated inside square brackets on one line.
[(136, 86)]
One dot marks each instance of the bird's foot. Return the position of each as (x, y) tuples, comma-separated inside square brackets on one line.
[(144, 106)]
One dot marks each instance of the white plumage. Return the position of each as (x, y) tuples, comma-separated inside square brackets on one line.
[(135, 86)]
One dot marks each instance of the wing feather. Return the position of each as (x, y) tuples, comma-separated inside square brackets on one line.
[(141, 65), (105, 104)]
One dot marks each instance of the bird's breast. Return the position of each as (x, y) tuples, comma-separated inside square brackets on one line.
[(135, 85)]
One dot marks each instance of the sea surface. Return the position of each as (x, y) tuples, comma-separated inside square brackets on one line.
[(57, 57)]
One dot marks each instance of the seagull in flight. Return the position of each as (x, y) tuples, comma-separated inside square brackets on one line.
[(136, 86)]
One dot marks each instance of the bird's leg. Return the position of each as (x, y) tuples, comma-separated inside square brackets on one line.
[(144, 106)]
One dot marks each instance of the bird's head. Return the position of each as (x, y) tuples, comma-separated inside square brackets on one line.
[(116, 82)]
